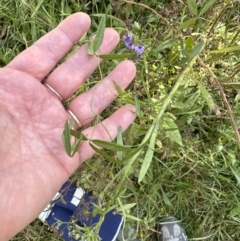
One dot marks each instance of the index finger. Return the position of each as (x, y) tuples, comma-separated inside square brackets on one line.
[(39, 59)]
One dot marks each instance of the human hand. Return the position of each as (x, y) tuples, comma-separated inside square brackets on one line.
[(33, 162)]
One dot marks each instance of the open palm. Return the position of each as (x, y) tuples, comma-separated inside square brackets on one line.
[(33, 162)]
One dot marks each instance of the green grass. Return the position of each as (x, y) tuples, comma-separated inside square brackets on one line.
[(193, 154)]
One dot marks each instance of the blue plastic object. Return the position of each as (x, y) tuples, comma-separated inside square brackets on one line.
[(71, 202)]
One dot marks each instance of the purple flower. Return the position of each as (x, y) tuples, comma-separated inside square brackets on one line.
[(130, 46), (127, 38), (139, 49)]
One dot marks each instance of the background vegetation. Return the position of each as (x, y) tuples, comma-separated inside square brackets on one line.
[(184, 155)]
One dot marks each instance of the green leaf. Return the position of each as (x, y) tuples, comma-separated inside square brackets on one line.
[(33, 31), (75, 146), (133, 152), (4, 58), (132, 217), (149, 154), (165, 45), (96, 43), (37, 8), (235, 211), (137, 27), (187, 23), (67, 138), (62, 199), (115, 56), (166, 199), (128, 98), (79, 138), (137, 105), (71, 149), (111, 146), (78, 134), (133, 155), (189, 44), (146, 162), (208, 98), (119, 142), (172, 130), (205, 8), (105, 155), (225, 50), (126, 207), (90, 50), (192, 7), (99, 35), (197, 49), (118, 88), (236, 174)]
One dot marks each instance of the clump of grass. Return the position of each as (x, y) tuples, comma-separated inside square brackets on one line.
[(187, 163)]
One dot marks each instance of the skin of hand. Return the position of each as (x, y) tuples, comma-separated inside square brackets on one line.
[(33, 162)]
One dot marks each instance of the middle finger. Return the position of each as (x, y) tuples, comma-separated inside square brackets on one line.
[(91, 103), (68, 76)]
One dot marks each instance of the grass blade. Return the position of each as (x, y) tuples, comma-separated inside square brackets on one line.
[(37, 8), (115, 56), (225, 50)]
